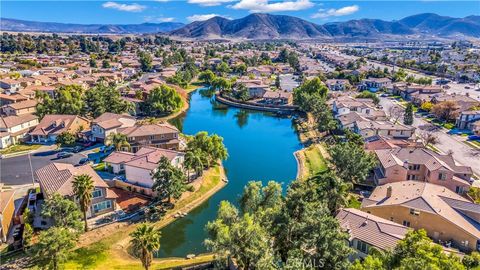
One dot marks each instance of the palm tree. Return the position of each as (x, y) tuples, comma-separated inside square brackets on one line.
[(83, 188), (118, 140), (146, 240), (188, 163)]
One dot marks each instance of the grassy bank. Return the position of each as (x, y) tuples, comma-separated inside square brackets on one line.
[(19, 148), (110, 252), (311, 161)]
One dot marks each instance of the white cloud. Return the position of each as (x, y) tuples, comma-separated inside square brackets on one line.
[(158, 19), (265, 6), (209, 3), (323, 13), (124, 7), (201, 17)]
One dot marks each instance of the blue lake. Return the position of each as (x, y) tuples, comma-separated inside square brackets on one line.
[(260, 147)]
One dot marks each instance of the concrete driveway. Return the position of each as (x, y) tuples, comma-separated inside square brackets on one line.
[(18, 171)]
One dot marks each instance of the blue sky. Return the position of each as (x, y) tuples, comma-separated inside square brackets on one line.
[(132, 12)]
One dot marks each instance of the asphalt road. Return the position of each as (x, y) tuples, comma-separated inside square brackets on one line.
[(17, 170)]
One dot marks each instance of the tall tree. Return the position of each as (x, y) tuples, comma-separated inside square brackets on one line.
[(446, 110), (351, 161), (145, 60), (145, 241), (83, 188), (62, 211), (408, 116), (53, 247), (206, 76), (162, 100), (168, 181)]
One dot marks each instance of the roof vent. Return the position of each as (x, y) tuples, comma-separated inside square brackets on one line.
[(389, 191)]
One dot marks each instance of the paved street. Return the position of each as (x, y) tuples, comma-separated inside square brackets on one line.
[(17, 171), (287, 82), (462, 153)]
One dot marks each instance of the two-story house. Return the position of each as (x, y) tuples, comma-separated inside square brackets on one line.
[(108, 123), (14, 128), (466, 119), (421, 164), (138, 167), (159, 135), (446, 216), (337, 84), (58, 178)]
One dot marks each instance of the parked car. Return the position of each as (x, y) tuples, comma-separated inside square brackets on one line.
[(64, 155), (84, 161), (474, 137)]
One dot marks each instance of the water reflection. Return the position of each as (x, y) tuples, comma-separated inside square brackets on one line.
[(260, 147)]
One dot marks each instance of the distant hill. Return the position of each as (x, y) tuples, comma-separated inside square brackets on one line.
[(31, 26), (267, 26), (254, 26)]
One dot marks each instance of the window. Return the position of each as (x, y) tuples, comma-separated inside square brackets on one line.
[(414, 167), (442, 176), (152, 137), (406, 223), (102, 206), (362, 246), (414, 212), (412, 177), (97, 193)]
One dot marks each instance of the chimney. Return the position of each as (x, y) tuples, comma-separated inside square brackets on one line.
[(389, 191)]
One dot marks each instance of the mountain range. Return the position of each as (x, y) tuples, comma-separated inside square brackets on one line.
[(51, 27), (268, 26)]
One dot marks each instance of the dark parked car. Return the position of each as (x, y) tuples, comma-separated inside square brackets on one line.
[(77, 149), (474, 137), (84, 161), (64, 155)]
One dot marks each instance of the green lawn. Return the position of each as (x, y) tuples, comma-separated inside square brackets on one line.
[(19, 148), (314, 160)]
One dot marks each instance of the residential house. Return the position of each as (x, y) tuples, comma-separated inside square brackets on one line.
[(387, 129), (53, 125), (58, 178), (20, 108), (162, 135), (139, 166), (256, 88), (467, 119), (337, 84), (7, 211), (375, 84), (10, 85), (345, 104), (421, 164), (278, 97), (109, 123), (14, 128), (446, 216), (367, 231)]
